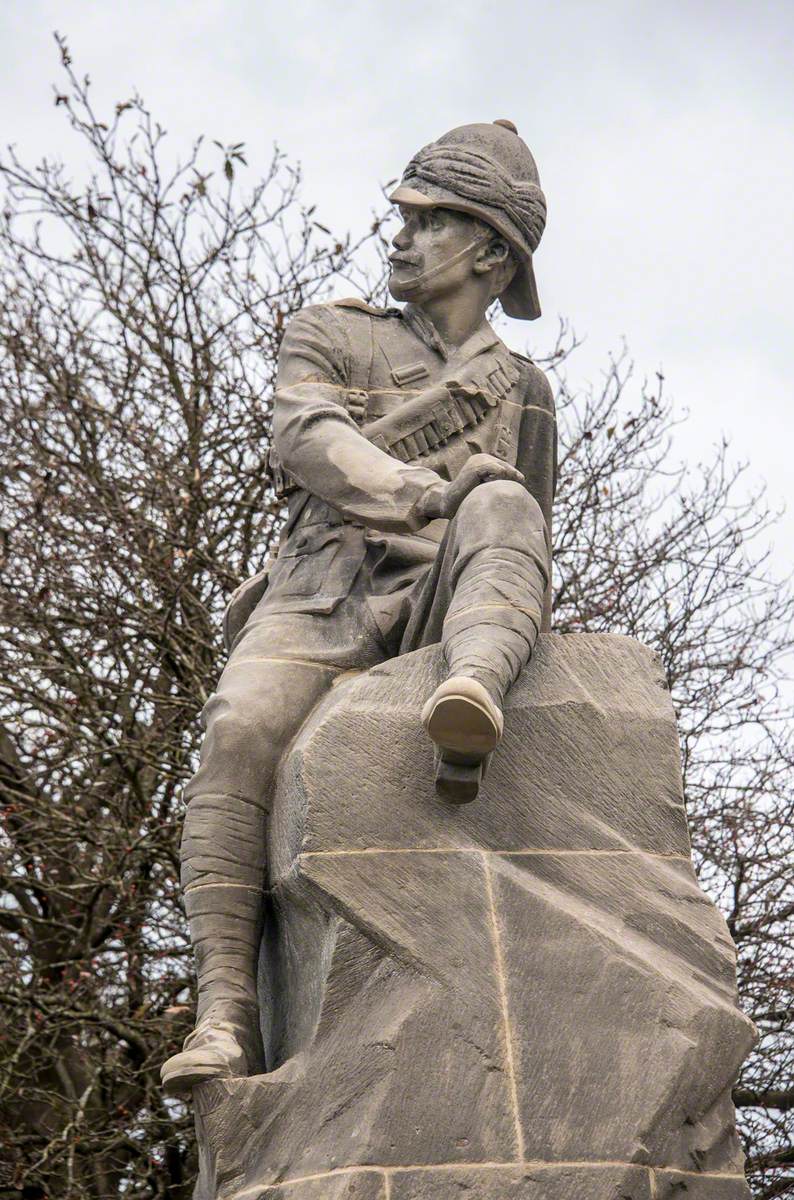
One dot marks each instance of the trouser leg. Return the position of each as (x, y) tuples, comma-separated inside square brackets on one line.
[(278, 671), (499, 572), (259, 705), (483, 600), (483, 597)]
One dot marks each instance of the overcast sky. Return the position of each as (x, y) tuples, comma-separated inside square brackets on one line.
[(664, 134)]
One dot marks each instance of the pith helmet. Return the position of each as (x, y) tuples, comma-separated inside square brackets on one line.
[(488, 172)]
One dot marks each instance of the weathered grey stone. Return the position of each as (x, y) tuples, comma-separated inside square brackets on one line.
[(591, 763), (417, 457), (677, 1185), (620, 975), (611, 1182), (346, 1185), (528, 997)]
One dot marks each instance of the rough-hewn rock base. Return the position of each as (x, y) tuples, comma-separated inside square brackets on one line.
[(528, 998)]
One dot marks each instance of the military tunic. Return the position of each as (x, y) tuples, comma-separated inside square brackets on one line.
[(354, 487)]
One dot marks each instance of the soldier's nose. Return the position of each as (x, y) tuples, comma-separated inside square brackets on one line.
[(401, 239)]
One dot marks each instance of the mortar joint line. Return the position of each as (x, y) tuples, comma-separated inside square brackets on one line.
[(502, 986), (201, 887), (524, 852), (293, 662), (387, 1172)]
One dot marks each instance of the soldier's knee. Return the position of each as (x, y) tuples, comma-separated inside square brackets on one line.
[(235, 732), (239, 753), (503, 499)]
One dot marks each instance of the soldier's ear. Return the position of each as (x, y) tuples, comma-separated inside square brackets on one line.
[(494, 254), (496, 257)]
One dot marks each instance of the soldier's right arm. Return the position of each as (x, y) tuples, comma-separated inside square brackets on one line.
[(319, 443)]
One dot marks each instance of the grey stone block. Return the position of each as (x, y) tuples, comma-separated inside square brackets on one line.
[(677, 1185), (528, 997), (546, 1183), (354, 1185), (590, 760), (619, 977)]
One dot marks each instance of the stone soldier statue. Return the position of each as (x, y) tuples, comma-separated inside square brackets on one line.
[(417, 455)]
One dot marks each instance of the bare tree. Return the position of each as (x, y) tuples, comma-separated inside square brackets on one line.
[(140, 317), (139, 325), (678, 557)]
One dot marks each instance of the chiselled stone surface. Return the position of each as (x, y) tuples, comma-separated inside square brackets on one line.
[(527, 998), (612, 1182), (591, 763), (678, 1185)]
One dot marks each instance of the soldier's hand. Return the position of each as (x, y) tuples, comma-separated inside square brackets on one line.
[(480, 468)]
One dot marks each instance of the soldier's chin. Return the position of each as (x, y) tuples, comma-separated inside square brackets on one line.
[(403, 289)]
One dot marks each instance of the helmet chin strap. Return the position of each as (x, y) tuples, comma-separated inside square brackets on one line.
[(416, 282)]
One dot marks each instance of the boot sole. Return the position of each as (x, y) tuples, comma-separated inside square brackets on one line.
[(180, 1080), (197, 1064), (461, 725)]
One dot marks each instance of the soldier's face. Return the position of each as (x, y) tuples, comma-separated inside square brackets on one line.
[(433, 253)]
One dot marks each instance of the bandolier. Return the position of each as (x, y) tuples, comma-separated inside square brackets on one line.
[(388, 372)]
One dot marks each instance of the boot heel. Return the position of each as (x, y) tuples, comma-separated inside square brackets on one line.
[(458, 779)]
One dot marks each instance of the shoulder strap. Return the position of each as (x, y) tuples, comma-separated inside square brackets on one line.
[(362, 306), (358, 319)]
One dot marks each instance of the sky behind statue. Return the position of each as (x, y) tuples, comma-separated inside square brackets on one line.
[(664, 137)]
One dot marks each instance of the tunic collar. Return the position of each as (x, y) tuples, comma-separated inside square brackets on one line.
[(420, 325)]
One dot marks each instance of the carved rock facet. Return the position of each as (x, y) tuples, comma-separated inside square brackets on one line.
[(526, 998)]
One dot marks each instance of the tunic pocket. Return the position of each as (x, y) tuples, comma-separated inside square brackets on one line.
[(316, 569)]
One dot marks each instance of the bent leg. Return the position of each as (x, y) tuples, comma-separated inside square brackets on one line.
[(483, 601), (498, 573), (278, 671)]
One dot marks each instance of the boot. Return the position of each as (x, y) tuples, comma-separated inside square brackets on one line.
[(486, 646), (222, 1045), (225, 927), (466, 724), (223, 879)]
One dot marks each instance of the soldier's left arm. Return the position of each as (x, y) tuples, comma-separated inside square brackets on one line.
[(537, 440)]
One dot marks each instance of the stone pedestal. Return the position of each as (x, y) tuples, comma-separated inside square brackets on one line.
[(527, 998)]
